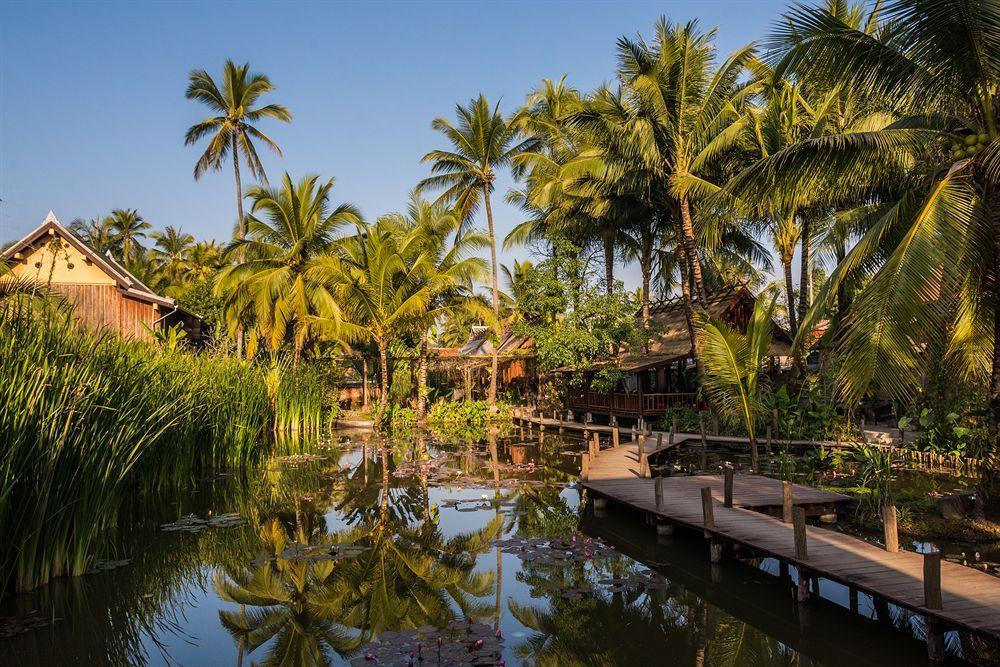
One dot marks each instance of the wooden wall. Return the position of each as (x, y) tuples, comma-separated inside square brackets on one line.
[(106, 306)]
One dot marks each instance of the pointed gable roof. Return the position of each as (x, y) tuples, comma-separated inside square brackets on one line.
[(124, 279)]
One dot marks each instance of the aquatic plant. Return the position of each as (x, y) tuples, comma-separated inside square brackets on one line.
[(89, 417)]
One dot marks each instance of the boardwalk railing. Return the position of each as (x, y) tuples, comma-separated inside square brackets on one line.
[(628, 403)]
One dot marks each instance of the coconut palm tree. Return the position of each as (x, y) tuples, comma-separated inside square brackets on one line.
[(129, 230), (278, 283), (733, 364), (232, 129), (930, 254), (171, 250), (378, 278), (204, 258), (98, 233), (692, 111), (482, 142), (449, 272)]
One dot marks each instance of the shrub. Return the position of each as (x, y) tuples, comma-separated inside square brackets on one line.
[(468, 413)]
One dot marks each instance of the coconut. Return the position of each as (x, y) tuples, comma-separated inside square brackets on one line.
[(958, 155), (971, 139), (972, 150), (984, 138)]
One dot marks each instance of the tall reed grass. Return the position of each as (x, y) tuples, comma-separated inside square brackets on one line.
[(87, 419)]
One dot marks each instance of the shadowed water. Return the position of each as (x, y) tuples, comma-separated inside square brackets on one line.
[(475, 551)]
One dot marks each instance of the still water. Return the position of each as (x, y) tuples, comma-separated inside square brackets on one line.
[(423, 550)]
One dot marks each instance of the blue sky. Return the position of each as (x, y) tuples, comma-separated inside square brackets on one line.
[(93, 114)]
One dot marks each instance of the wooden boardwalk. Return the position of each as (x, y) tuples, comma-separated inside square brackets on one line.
[(971, 599)]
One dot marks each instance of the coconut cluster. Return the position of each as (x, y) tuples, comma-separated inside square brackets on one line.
[(969, 146)]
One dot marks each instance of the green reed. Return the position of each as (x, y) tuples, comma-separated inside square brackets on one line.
[(88, 420)]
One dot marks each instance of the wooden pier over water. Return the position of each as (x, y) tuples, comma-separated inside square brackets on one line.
[(947, 595)]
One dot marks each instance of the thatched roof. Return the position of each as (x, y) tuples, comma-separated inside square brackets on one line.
[(670, 339)]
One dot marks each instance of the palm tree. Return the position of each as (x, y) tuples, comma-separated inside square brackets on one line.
[(98, 233), (279, 281), (204, 258), (482, 142), (936, 64), (693, 112), (443, 250), (733, 363), (171, 250), (129, 230), (379, 279), (232, 128)]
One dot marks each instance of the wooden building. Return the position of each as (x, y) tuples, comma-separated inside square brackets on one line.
[(103, 293), (665, 376)]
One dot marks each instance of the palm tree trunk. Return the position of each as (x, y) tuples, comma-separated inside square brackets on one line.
[(422, 377), (365, 397), (805, 277), (691, 249), (688, 309), (609, 263), (241, 230), (383, 400), (789, 295), (989, 482), (645, 265), (491, 396)]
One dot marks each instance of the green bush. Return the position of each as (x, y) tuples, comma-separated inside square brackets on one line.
[(468, 413)]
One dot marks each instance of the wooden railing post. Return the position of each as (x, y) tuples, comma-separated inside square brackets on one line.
[(786, 502), (614, 436), (728, 484), (799, 532), (585, 467), (704, 441), (658, 491), (891, 532), (708, 513), (932, 580)]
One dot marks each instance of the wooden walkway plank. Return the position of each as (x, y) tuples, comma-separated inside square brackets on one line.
[(971, 598)]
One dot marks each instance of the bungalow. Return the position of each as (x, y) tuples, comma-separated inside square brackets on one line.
[(664, 377), (104, 294)]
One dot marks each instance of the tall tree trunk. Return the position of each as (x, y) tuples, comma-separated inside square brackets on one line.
[(688, 309), (786, 264), (383, 400), (691, 249), (241, 229), (609, 263), (422, 377), (365, 396), (989, 483), (491, 396), (645, 265), (805, 277)]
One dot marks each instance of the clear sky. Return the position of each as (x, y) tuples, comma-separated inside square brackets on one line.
[(93, 114)]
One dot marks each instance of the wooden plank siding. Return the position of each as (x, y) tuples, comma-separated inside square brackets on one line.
[(105, 306)]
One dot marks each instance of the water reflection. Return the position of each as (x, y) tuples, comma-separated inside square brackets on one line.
[(377, 537)]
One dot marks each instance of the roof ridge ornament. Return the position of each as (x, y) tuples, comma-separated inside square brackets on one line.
[(51, 217)]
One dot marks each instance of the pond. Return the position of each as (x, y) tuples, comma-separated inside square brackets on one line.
[(421, 550)]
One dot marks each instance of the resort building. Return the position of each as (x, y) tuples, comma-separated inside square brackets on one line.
[(102, 291), (664, 376)]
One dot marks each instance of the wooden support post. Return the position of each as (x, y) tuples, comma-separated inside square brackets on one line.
[(786, 502), (672, 436), (633, 434), (936, 651), (614, 436), (704, 444), (932, 580), (643, 462), (891, 532), (664, 528), (585, 467), (853, 595), (658, 491), (597, 443), (659, 441), (728, 483), (708, 513), (802, 586), (769, 440), (799, 532), (754, 454), (715, 551)]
